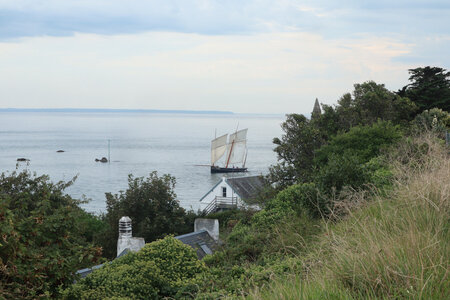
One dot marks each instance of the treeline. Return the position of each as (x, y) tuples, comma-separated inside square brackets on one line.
[(325, 162)]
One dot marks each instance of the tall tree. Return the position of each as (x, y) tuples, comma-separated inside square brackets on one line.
[(295, 151), (371, 102), (152, 206), (429, 88)]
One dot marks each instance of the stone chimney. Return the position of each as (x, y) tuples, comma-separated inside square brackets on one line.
[(210, 225), (126, 239), (125, 227)]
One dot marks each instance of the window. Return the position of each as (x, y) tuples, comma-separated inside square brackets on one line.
[(224, 191)]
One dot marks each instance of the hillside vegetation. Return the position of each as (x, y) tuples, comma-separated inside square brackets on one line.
[(390, 246)]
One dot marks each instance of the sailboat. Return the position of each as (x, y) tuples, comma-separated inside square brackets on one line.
[(235, 148)]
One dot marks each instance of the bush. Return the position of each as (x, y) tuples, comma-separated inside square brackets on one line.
[(350, 159), (436, 120), (42, 237), (361, 142), (301, 198), (164, 268)]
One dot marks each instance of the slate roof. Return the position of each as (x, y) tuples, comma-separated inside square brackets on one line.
[(85, 272), (246, 187), (200, 241)]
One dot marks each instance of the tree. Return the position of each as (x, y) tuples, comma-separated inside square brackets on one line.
[(429, 88), (295, 151), (371, 102), (42, 239), (152, 206)]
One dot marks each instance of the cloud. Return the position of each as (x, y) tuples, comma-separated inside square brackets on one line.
[(331, 19), (267, 73), (246, 56)]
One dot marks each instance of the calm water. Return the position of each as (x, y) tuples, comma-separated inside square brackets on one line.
[(140, 144)]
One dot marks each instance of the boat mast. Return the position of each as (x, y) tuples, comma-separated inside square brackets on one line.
[(231, 149), (229, 155), (245, 160)]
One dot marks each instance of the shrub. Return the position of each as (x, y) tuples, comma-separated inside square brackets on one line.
[(304, 197), (42, 237), (436, 120), (164, 268), (361, 142)]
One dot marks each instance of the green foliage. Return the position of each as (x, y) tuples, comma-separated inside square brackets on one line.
[(393, 246), (303, 197), (164, 268), (435, 120), (93, 227), (229, 218), (429, 88), (270, 230), (367, 105), (349, 159), (43, 237), (152, 206), (364, 142), (235, 280), (295, 151)]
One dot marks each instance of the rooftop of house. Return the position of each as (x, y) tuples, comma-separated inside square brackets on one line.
[(247, 187), (200, 241)]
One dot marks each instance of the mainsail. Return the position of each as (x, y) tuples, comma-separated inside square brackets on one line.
[(218, 147), (237, 147)]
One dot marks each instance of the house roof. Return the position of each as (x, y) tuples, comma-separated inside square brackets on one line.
[(85, 272), (200, 241), (246, 187)]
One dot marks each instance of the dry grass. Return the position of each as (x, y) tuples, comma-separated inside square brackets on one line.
[(393, 247)]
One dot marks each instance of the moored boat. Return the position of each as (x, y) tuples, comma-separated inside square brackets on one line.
[(235, 148)]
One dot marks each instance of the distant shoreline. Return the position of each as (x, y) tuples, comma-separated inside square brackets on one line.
[(112, 110)]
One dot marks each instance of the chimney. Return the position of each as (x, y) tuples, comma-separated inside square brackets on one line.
[(210, 225), (125, 227), (126, 239)]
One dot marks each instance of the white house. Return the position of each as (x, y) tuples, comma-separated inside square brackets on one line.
[(231, 193)]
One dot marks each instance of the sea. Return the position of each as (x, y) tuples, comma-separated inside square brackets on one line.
[(136, 142)]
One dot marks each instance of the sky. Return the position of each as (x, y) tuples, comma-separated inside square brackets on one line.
[(243, 56)]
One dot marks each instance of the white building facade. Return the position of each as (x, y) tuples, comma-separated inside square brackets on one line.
[(230, 193)]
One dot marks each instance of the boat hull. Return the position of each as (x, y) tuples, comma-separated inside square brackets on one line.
[(215, 169)]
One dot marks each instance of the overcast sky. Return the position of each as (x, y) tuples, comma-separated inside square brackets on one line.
[(242, 56)]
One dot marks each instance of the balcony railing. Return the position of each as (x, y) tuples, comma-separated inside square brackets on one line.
[(221, 203)]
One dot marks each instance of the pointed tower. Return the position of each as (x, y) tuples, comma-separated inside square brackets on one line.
[(316, 110)]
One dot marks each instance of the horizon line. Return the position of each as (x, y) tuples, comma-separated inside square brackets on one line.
[(116, 110)]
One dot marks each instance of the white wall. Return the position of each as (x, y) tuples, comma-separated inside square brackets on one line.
[(217, 191)]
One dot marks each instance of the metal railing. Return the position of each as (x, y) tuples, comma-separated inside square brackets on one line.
[(221, 202)]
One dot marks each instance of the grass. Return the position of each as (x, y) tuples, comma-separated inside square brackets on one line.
[(395, 246)]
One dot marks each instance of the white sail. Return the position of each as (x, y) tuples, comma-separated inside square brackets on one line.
[(236, 148), (218, 147), (237, 153), (240, 135)]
